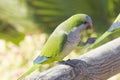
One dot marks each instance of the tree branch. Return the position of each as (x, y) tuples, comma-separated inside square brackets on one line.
[(98, 64)]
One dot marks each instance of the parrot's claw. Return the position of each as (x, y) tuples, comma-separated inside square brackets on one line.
[(90, 41), (67, 63)]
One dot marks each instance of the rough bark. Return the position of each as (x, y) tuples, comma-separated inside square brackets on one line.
[(98, 64)]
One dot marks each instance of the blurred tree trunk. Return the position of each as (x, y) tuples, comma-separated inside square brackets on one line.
[(98, 64)]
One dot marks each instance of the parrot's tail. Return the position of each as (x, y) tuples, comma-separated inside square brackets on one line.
[(33, 68)]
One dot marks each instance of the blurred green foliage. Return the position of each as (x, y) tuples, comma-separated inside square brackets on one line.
[(50, 13), (21, 16)]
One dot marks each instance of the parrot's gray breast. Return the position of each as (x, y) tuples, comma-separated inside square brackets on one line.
[(73, 39)]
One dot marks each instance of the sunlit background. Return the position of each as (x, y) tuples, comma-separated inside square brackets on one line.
[(25, 25)]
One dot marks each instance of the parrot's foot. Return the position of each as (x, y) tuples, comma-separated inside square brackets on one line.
[(90, 41), (67, 63)]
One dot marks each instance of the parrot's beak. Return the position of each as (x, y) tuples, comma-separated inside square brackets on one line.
[(89, 26)]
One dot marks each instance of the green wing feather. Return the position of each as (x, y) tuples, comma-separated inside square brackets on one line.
[(54, 45)]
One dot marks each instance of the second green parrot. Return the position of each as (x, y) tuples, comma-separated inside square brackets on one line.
[(62, 41)]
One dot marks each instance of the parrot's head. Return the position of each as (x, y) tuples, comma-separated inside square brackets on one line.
[(88, 22), (81, 19)]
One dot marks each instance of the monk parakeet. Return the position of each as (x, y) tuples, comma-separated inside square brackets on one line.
[(62, 41)]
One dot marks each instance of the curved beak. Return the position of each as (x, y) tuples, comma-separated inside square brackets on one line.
[(89, 22), (89, 26)]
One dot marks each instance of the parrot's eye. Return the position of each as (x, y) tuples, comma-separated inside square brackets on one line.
[(85, 22)]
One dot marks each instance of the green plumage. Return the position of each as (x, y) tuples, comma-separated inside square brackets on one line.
[(57, 44), (54, 45)]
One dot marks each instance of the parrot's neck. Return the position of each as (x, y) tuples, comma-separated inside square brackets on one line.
[(77, 30), (73, 39), (74, 35), (81, 28)]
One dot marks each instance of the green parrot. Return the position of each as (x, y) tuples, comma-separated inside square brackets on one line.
[(62, 41)]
